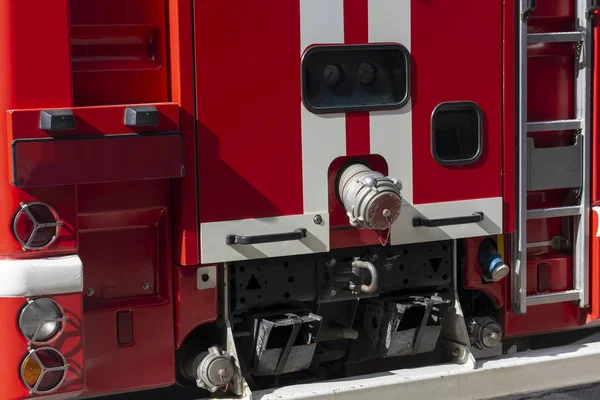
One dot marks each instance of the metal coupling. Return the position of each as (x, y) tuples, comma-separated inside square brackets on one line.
[(371, 199)]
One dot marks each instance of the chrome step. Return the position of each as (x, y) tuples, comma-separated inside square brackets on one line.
[(554, 37), (557, 297), (560, 125), (554, 212)]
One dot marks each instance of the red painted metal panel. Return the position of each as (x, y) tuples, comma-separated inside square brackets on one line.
[(194, 307), (52, 162), (92, 121), (125, 232), (186, 242), (30, 81), (461, 61), (596, 113), (594, 266), (119, 51), (595, 217), (509, 114), (248, 108), (14, 347)]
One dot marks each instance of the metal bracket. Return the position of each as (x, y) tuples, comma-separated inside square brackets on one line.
[(526, 11)]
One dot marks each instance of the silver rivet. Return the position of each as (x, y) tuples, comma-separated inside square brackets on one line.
[(318, 219), (146, 285), (90, 292)]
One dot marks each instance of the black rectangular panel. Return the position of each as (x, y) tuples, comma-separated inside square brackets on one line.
[(345, 78)]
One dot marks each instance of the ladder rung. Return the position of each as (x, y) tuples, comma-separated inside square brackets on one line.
[(554, 212), (558, 297), (554, 37), (561, 125)]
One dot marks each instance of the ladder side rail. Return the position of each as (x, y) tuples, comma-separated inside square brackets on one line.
[(519, 270)]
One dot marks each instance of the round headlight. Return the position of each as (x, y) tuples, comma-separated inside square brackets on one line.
[(43, 370), (41, 320)]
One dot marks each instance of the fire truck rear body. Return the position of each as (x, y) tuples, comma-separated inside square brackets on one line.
[(250, 196)]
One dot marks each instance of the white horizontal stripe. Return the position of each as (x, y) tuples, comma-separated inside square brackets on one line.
[(39, 277), (403, 231), (215, 249)]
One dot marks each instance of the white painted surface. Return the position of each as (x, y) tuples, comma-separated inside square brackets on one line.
[(323, 136), (39, 277), (404, 232), (391, 131), (215, 249), (547, 369)]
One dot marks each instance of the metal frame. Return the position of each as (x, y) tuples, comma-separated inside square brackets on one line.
[(582, 102), (64, 368), (62, 320), (582, 36), (519, 269), (26, 209)]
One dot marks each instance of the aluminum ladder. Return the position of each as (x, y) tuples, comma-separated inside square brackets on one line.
[(531, 161)]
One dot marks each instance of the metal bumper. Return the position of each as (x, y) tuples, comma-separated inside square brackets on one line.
[(525, 372)]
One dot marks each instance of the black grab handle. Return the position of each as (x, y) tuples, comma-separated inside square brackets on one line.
[(432, 223), (296, 234)]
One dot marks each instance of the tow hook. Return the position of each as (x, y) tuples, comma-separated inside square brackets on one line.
[(372, 287)]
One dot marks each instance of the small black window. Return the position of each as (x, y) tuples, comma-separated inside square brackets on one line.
[(456, 133), (348, 78)]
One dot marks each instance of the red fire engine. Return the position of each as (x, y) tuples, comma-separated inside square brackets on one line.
[(298, 198)]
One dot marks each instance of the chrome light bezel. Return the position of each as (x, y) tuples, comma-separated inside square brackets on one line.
[(33, 353), (61, 320)]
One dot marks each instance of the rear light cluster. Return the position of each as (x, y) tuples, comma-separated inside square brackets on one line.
[(41, 322), (36, 226)]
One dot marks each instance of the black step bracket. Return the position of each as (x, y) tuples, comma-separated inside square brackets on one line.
[(141, 116), (57, 120), (285, 344)]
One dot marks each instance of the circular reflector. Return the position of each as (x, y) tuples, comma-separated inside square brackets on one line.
[(41, 320), (43, 370)]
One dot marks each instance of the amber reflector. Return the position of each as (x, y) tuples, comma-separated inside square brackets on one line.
[(43, 370), (31, 371)]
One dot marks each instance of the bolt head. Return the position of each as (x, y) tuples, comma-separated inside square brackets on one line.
[(318, 219), (146, 285), (90, 292)]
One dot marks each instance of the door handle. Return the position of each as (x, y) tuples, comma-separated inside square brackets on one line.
[(296, 234), (433, 223)]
